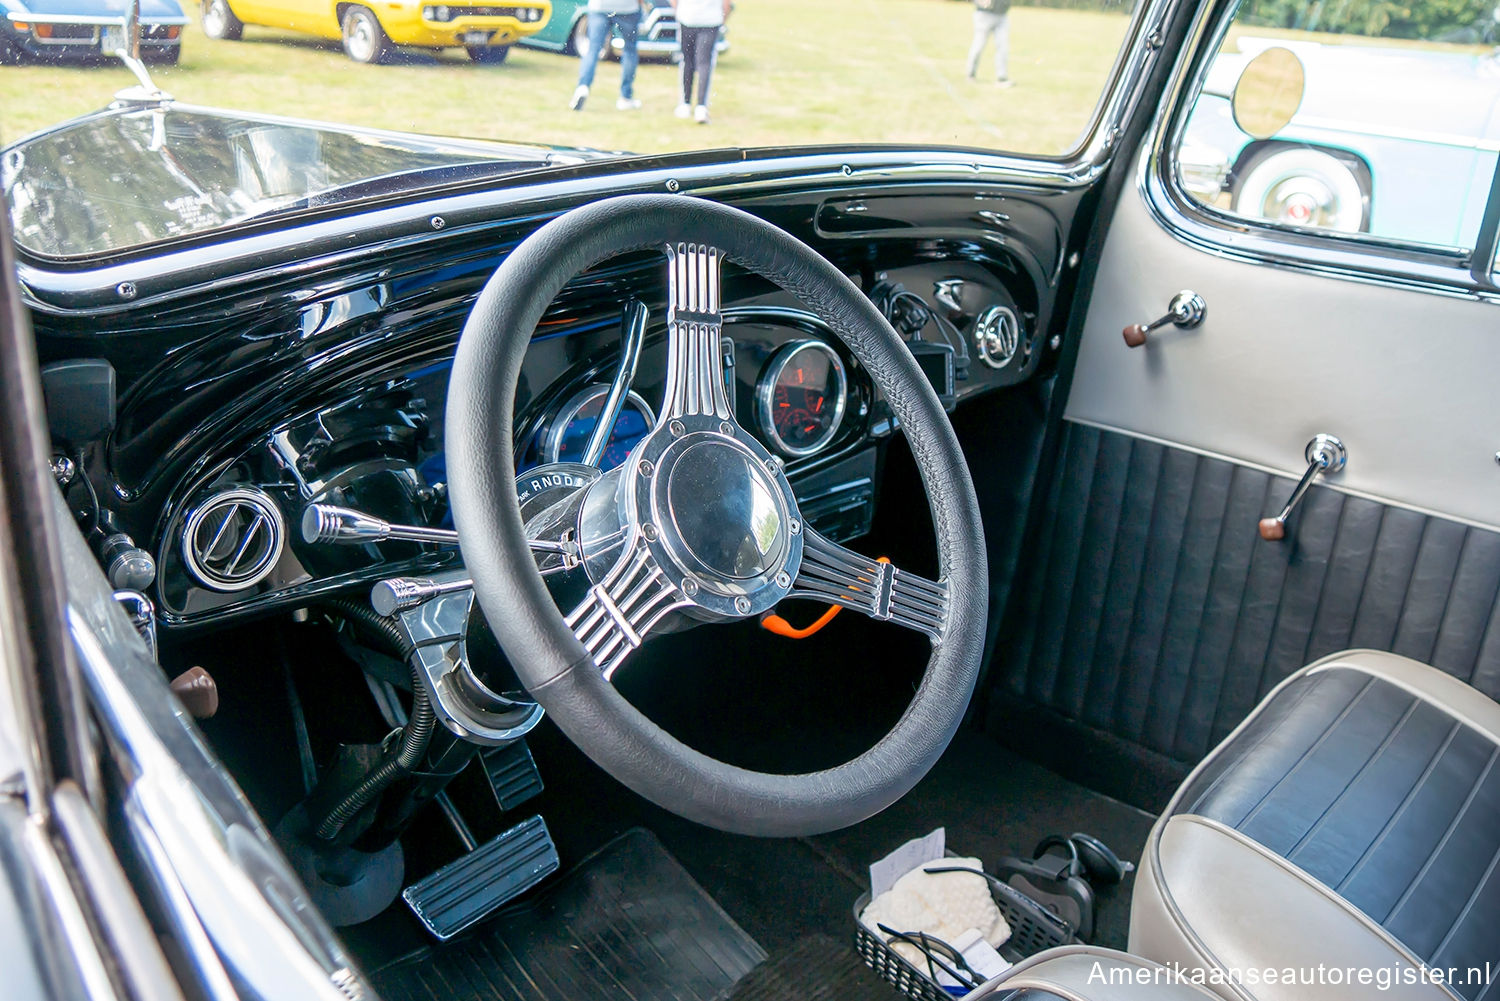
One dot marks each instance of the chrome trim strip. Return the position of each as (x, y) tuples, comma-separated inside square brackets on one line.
[(55, 906), (240, 888), (94, 19), (136, 952)]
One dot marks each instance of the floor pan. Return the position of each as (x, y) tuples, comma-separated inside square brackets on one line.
[(627, 922)]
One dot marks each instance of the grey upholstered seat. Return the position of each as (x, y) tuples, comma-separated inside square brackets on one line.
[(1352, 822)]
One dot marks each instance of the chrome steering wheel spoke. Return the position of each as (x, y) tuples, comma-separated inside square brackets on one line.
[(619, 612), (840, 576), (695, 364)]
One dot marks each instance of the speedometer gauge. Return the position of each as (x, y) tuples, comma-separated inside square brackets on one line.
[(801, 396), (567, 436)]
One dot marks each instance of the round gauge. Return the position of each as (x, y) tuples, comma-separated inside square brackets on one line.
[(568, 434), (801, 396)]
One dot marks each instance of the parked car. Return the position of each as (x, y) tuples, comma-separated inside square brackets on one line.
[(86, 30), (371, 32), (442, 570), (1372, 122), (567, 32)]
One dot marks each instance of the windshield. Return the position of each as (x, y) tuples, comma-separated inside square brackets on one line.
[(635, 76), (118, 181)]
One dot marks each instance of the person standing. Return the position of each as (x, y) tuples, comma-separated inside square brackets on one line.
[(992, 20), (698, 25), (603, 17)]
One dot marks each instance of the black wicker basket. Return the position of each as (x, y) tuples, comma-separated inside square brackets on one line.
[(1032, 929)]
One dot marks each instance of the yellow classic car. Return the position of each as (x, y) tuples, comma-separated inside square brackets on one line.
[(372, 29)]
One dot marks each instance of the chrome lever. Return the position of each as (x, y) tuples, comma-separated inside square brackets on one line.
[(345, 525), (400, 594), (632, 334), (1185, 311), (1325, 455), (142, 613)]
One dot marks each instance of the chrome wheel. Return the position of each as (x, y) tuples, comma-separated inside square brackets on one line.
[(1303, 187), (364, 40), (578, 39), (220, 22)]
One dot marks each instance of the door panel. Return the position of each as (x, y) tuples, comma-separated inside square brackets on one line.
[(1150, 616), (1404, 377), (1160, 617)]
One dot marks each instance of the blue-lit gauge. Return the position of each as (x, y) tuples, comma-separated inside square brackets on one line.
[(568, 434)]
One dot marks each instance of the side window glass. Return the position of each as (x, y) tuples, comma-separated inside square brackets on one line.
[(1351, 116)]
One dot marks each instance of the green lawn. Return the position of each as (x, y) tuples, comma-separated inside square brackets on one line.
[(798, 71)]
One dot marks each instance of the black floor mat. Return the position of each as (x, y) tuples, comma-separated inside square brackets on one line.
[(992, 801), (815, 969), (628, 922)]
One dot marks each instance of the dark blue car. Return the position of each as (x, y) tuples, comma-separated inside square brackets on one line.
[(85, 30)]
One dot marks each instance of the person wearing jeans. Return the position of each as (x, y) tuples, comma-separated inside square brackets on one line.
[(698, 26), (992, 20), (604, 17)]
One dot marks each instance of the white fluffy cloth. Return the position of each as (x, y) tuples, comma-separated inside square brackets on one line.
[(944, 904)]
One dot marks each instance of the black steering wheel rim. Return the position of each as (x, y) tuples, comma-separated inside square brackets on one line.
[(549, 658)]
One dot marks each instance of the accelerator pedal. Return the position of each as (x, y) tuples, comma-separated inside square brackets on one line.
[(470, 888)]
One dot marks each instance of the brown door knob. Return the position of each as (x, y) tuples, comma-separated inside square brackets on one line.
[(1325, 456), (197, 691)]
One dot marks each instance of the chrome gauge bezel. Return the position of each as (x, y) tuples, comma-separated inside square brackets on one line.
[(240, 496), (765, 396), (558, 423)]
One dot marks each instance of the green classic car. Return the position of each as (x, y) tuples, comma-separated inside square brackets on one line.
[(568, 31)]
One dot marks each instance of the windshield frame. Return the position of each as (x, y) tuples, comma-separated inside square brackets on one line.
[(707, 170)]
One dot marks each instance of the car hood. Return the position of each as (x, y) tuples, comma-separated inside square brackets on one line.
[(95, 8), (132, 177)]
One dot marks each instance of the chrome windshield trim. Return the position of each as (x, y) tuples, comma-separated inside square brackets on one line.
[(69, 954), (240, 889)]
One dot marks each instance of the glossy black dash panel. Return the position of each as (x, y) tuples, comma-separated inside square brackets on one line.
[(1154, 613)]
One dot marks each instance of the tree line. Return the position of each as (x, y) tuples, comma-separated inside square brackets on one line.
[(1431, 20)]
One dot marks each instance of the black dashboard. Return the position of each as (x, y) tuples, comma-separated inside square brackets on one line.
[(230, 543), (248, 382)]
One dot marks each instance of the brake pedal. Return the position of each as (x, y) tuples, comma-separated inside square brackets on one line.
[(473, 886), (512, 773)]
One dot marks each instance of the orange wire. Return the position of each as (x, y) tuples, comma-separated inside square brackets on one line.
[(781, 627)]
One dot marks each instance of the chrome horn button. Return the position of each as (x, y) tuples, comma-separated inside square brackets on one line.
[(718, 515), (724, 510)]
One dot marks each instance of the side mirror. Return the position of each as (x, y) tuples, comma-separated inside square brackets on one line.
[(1268, 93)]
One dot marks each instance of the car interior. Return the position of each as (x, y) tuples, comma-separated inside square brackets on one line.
[(568, 586)]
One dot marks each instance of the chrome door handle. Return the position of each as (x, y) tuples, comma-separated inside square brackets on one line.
[(1185, 311), (1325, 454)]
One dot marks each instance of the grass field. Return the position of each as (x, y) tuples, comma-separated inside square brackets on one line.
[(798, 71)]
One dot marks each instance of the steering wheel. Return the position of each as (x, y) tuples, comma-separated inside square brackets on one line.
[(710, 526)]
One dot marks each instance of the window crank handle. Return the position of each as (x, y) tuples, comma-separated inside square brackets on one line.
[(1185, 311), (1325, 455)]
